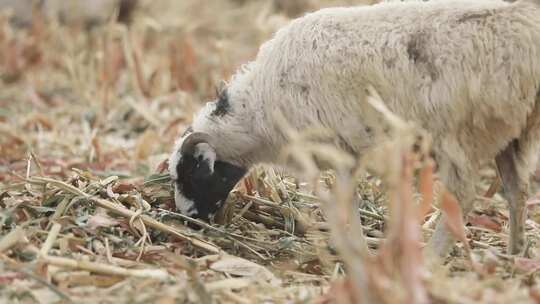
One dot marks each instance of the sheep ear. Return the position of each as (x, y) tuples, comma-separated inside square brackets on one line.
[(205, 156), (192, 140), (197, 145)]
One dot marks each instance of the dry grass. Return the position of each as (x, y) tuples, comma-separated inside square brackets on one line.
[(86, 216)]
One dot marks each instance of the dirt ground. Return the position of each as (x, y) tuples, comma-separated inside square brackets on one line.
[(89, 114)]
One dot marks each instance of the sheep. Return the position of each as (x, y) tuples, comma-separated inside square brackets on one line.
[(85, 12), (468, 72)]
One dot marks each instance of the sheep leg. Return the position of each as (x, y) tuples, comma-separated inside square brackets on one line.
[(460, 182), (514, 177)]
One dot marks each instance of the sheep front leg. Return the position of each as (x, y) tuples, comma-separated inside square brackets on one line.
[(460, 182), (514, 176)]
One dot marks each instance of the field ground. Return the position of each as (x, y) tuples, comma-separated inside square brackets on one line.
[(87, 118)]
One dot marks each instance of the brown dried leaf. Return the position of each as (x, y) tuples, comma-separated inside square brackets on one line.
[(426, 189), (123, 187), (527, 264), (485, 221), (8, 277), (534, 294), (493, 187), (409, 232), (38, 119), (454, 218), (163, 166), (533, 201)]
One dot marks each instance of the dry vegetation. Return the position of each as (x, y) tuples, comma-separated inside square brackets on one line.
[(87, 118)]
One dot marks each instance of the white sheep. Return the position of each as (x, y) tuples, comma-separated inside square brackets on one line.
[(468, 72), (72, 12)]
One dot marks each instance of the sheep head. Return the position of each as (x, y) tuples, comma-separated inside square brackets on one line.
[(201, 182)]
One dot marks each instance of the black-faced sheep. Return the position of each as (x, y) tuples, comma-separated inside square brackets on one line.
[(468, 72)]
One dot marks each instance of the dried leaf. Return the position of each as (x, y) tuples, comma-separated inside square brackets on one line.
[(8, 277), (454, 218), (485, 222), (40, 119), (534, 294), (163, 166), (101, 219), (426, 189), (527, 264), (123, 187), (242, 267), (533, 201), (493, 188)]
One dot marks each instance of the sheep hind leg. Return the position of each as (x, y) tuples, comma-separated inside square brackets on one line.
[(515, 181), (460, 182)]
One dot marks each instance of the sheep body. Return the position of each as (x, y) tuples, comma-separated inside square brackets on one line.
[(466, 71)]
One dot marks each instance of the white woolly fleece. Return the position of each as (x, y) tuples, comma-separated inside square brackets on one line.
[(467, 71)]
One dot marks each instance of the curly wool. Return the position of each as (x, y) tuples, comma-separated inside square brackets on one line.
[(467, 71)]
